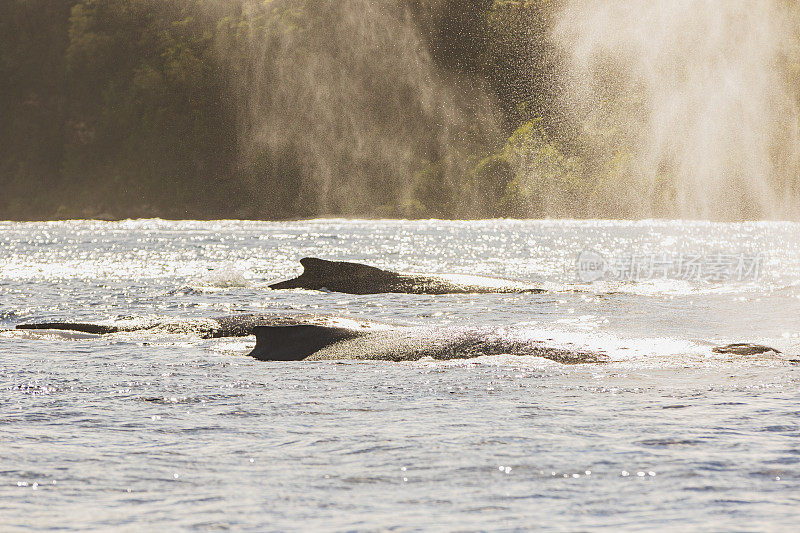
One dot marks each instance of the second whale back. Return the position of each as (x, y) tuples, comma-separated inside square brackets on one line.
[(357, 278)]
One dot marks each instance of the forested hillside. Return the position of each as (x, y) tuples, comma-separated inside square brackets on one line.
[(297, 108)]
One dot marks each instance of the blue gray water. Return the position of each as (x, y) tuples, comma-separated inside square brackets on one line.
[(144, 431)]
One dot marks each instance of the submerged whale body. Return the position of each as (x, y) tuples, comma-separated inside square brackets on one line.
[(297, 337), (357, 278), (205, 328), (744, 349)]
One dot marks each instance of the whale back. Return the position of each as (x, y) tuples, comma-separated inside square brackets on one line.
[(317, 342), (443, 343), (357, 278)]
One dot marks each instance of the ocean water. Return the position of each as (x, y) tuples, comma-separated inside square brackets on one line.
[(156, 431)]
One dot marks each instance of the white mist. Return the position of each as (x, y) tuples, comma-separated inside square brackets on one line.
[(699, 91)]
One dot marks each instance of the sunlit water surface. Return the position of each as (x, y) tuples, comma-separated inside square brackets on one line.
[(141, 431)]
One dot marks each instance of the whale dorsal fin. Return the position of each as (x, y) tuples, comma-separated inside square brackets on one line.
[(323, 269), (295, 343), (334, 275)]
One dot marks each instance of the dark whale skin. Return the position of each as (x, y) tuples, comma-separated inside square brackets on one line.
[(357, 278), (97, 329)]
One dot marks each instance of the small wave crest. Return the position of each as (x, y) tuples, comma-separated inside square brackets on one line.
[(214, 280), (224, 277)]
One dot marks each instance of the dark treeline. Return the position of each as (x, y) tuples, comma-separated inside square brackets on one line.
[(128, 108), (114, 108)]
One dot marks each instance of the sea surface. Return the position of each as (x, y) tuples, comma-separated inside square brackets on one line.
[(160, 432)]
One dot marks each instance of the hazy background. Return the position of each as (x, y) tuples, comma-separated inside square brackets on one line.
[(424, 108)]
